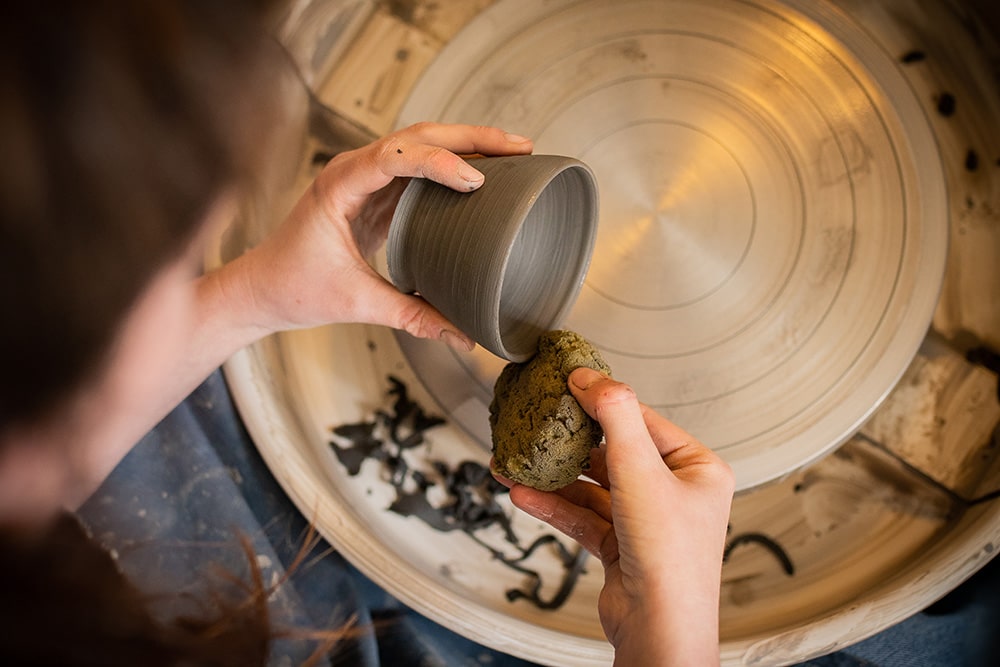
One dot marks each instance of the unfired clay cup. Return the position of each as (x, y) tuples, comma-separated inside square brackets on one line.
[(506, 262)]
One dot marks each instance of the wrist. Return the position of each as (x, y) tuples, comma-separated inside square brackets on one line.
[(229, 310), (678, 629)]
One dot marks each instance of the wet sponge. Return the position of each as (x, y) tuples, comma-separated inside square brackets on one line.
[(541, 436)]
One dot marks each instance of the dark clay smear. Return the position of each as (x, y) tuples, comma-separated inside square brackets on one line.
[(971, 160), (471, 490), (946, 104), (363, 445), (988, 357), (764, 541), (533, 594)]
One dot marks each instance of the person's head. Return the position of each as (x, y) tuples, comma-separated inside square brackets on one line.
[(123, 124)]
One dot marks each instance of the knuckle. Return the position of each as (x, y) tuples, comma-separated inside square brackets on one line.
[(437, 164), (418, 128), (720, 475), (383, 155), (436, 152), (386, 147), (487, 130), (423, 125), (336, 165), (727, 478), (413, 320)]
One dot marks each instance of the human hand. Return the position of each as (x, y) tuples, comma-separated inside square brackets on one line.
[(313, 270), (656, 518)]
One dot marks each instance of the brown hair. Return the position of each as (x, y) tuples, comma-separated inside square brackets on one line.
[(121, 123)]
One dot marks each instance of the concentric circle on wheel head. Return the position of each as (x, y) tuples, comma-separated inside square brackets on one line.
[(773, 221)]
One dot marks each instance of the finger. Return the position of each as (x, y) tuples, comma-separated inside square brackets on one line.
[(431, 150), (585, 526), (466, 139), (581, 493), (427, 150), (589, 495), (598, 470), (630, 449)]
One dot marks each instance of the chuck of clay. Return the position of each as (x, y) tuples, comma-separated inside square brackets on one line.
[(541, 436)]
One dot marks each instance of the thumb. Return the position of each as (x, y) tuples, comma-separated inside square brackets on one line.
[(388, 306), (615, 406)]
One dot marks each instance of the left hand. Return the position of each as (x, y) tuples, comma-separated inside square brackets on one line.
[(313, 270)]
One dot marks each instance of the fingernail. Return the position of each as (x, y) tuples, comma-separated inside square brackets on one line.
[(469, 174), (515, 138), (498, 477), (584, 378), (456, 341)]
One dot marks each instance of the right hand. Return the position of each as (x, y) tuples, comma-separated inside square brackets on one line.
[(657, 520)]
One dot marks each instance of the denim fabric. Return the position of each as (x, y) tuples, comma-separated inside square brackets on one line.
[(961, 630), (174, 509)]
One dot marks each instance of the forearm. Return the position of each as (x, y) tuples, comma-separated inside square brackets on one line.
[(222, 321), (225, 321)]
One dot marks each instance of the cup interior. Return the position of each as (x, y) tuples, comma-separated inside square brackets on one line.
[(547, 262), (506, 262)]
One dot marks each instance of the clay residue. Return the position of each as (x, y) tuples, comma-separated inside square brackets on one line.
[(469, 490)]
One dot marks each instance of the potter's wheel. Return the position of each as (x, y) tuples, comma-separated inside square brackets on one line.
[(773, 231), (773, 225)]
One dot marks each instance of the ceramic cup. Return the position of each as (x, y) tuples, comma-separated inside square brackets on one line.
[(504, 263)]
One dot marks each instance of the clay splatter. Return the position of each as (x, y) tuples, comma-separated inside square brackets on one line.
[(971, 160), (946, 104), (765, 542), (470, 491), (911, 57), (987, 357)]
